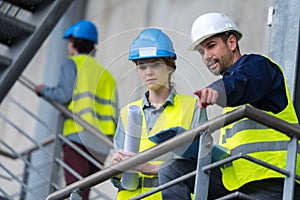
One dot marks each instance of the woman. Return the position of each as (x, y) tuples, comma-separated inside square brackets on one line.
[(161, 107)]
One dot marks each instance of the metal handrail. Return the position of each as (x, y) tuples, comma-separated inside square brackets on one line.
[(173, 143), (209, 167), (47, 140), (44, 142), (149, 154), (39, 146), (30, 85), (29, 164), (19, 181)]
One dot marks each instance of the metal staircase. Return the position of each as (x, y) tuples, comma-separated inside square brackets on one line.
[(24, 26)]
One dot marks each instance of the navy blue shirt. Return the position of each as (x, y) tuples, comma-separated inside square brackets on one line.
[(253, 80)]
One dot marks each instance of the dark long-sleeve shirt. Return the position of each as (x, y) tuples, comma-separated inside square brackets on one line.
[(253, 80)]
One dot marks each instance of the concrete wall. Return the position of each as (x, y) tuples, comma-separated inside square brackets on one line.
[(119, 22)]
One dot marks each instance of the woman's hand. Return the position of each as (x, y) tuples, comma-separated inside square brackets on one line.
[(118, 157), (145, 168)]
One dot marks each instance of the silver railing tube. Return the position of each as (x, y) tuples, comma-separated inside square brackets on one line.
[(149, 154), (173, 143)]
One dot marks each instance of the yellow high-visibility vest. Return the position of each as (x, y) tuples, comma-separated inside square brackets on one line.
[(94, 97), (259, 141), (179, 114)]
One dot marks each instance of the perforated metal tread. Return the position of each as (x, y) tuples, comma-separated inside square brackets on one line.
[(30, 5), (4, 62), (12, 28)]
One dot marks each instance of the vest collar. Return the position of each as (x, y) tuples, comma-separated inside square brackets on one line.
[(169, 100)]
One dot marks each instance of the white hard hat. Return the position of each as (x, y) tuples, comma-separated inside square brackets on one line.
[(211, 24)]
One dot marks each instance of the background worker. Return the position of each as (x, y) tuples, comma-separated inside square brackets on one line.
[(88, 90), (162, 108), (246, 79)]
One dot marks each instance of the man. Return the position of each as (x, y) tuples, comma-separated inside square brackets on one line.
[(246, 79), (88, 90)]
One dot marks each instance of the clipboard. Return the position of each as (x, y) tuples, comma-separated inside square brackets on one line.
[(166, 134), (188, 151), (219, 153)]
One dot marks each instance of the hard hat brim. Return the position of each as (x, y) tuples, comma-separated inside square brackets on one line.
[(193, 45)]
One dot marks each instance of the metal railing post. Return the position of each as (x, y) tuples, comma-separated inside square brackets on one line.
[(56, 154), (25, 176), (75, 195), (204, 158), (291, 161)]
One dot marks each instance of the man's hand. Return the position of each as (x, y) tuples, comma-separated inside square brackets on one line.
[(206, 96), (38, 89)]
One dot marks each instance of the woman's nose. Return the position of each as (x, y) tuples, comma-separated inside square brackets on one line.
[(149, 71)]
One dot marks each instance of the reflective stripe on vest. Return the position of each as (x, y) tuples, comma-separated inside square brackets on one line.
[(97, 99), (240, 126), (259, 141), (94, 97), (179, 114), (262, 147)]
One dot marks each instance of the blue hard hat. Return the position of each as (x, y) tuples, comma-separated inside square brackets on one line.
[(151, 43), (83, 29)]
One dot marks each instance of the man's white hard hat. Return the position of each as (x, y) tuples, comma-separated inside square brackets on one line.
[(211, 24)]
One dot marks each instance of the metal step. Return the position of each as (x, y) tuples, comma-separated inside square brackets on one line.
[(4, 62), (13, 29), (30, 5)]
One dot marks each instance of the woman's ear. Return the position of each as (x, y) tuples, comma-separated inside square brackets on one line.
[(171, 70)]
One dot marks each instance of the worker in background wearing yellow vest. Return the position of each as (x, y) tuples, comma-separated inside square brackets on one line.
[(246, 79), (88, 90), (161, 107)]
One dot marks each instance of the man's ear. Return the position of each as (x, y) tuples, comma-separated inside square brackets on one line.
[(232, 42)]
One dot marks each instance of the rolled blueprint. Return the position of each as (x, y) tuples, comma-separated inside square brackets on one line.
[(130, 179)]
